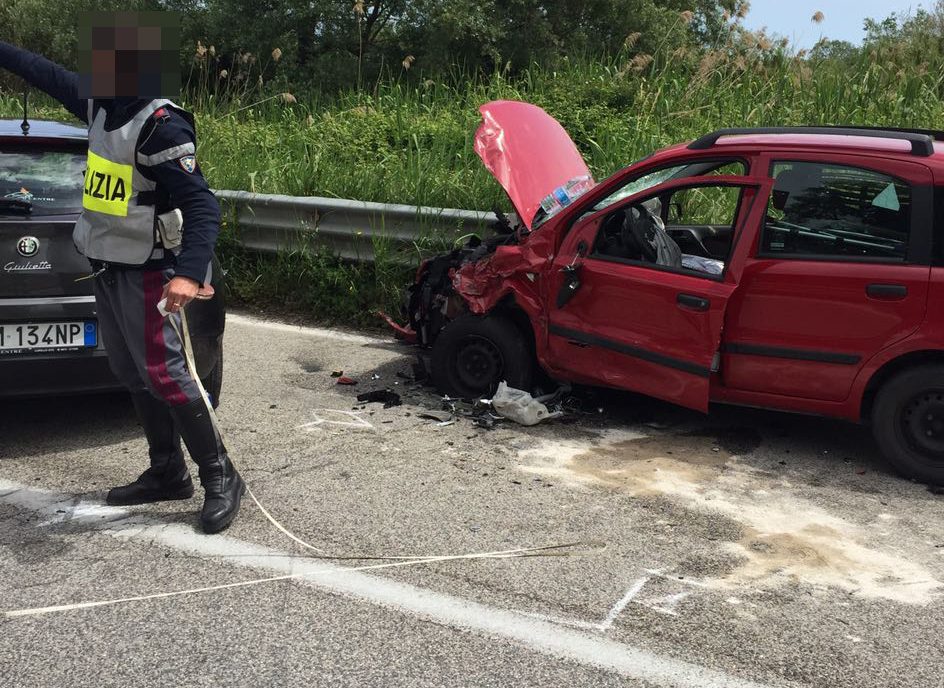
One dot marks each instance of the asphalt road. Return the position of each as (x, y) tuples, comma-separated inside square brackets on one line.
[(742, 549)]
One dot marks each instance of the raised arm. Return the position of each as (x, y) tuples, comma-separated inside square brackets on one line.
[(47, 76)]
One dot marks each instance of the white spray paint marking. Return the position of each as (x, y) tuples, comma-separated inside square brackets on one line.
[(533, 634), (336, 418), (667, 604), (320, 332), (623, 601), (676, 579), (663, 605)]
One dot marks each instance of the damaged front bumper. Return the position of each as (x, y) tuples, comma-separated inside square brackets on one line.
[(439, 293)]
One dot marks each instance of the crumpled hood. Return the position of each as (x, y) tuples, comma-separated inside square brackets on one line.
[(532, 157)]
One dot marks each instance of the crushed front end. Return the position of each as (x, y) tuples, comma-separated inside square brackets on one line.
[(433, 300)]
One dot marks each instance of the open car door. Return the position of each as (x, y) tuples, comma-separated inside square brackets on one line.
[(643, 322)]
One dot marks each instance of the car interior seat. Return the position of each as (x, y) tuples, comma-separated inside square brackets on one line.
[(644, 234), (794, 189)]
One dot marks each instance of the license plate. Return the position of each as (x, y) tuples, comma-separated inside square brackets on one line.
[(47, 336)]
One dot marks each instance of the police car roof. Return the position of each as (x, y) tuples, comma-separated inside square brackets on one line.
[(40, 128)]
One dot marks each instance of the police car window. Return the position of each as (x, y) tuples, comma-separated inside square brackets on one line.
[(837, 211), (50, 181)]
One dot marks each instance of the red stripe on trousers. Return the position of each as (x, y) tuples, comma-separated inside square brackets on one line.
[(155, 348)]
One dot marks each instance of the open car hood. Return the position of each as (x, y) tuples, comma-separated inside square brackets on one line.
[(532, 157)]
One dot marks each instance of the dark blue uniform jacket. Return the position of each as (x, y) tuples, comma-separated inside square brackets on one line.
[(186, 190)]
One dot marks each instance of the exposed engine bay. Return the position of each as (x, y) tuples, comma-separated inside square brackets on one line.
[(432, 300)]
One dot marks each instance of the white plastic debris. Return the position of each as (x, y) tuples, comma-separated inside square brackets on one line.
[(519, 406)]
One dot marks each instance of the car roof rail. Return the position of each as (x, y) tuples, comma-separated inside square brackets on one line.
[(922, 141), (935, 134)]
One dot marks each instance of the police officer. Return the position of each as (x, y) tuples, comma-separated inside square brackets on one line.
[(142, 178)]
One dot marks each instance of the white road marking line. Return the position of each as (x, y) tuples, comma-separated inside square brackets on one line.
[(320, 332), (83, 511), (533, 634), (573, 623)]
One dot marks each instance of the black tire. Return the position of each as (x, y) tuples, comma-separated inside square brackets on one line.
[(213, 381), (908, 423), (472, 354)]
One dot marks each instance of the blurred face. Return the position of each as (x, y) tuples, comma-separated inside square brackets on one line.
[(129, 55)]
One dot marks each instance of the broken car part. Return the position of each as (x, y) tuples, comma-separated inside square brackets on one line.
[(385, 396)]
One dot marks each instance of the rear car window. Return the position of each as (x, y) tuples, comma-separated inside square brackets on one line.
[(50, 180), (835, 211)]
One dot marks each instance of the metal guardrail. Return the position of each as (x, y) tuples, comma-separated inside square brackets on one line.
[(355, 230)]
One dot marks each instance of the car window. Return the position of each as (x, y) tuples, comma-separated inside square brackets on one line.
[(656, 177), (701, 246), (704, 205), (49, 180), (836, 211)]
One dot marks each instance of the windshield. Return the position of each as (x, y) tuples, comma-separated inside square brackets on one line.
[(646, 181), (654, 178), (51, 180)]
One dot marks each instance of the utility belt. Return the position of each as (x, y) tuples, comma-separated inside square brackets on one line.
[(160, 260)]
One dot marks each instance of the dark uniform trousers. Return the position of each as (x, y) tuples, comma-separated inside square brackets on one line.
[(144, 351)]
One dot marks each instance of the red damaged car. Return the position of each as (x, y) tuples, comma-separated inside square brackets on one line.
[(794, 268)]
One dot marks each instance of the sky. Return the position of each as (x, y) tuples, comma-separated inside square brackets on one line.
[(844, 18)]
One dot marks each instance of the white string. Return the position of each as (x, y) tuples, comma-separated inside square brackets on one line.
[(192, 367), (502, 554), (552, 550)]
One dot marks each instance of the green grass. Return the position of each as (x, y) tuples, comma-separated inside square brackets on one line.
[(412, 142)]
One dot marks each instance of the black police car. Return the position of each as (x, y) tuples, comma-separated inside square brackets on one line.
[(49, 339)]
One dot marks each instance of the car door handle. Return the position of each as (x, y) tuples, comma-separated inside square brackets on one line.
[(889, 292), (695, 303)]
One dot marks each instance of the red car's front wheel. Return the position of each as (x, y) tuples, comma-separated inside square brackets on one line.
[(472, 354)]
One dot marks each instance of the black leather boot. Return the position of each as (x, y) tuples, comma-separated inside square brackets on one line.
[(167, 478), (222, 484)]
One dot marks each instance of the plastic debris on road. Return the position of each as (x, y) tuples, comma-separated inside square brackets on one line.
[(439, 416), (519, 406)]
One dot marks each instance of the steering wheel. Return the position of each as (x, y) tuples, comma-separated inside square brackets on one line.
[(639, 230), (609, 236)]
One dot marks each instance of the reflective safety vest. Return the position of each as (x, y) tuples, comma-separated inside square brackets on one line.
[(118, 222)]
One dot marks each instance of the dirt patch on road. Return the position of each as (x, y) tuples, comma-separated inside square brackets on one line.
[(784, 537)]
